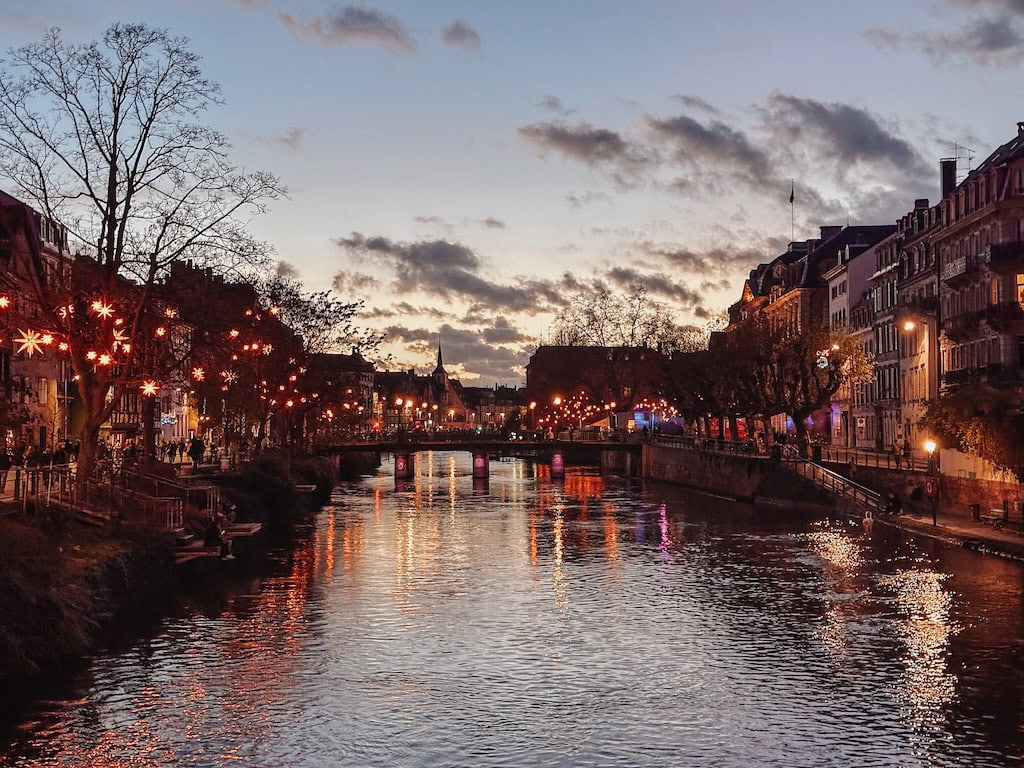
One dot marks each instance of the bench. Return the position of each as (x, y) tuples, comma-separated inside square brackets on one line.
[(996, 517)]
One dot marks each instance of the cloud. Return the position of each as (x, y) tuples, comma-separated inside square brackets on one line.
[(587, 198), (405, 309), (554, 104), (473, 354), (286, 270), (354, 283), (656, 284), (580, 142), (992, 36), (696, 102), (451, 271), (249, 5), (291, 139), (352, 24), (714, 261), (492, 223), (717, 144), (460, 33), (842, 135)]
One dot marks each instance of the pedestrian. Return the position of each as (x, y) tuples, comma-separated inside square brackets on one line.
[(897, 450), (172, 451), (181, 450), (5, 467)]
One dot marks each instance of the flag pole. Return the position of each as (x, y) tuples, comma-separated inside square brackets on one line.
[(792, 217)]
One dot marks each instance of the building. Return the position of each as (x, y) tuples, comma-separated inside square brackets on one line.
[(979, 242)]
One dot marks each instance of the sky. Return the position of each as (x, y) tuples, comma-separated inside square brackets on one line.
[(465, 168)]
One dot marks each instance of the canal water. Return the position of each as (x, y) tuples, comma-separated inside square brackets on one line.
[(580, 622)]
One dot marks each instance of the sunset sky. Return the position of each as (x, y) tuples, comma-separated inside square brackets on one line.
[(464, 167)]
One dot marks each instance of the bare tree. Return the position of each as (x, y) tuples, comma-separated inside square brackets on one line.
[(103, 138), (598, 317)]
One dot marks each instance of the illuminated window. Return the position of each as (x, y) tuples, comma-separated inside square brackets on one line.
[(1020, 290)]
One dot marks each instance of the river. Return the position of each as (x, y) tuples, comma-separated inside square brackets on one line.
[(586, 622)]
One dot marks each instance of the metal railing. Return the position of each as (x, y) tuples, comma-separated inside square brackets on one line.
[(104, 499), (837, 484)]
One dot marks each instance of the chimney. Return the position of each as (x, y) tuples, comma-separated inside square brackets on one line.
[(1020, 128), (947, 170), (921, 202), (827, 233)]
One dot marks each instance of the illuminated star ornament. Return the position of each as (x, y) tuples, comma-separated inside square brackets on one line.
[(148, 388), (30, 341), (198, 374), (101, 309)]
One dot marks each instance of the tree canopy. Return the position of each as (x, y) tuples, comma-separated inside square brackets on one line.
[(103, 138)]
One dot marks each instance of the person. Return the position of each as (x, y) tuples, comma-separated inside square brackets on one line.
[(172, 451), (897, 449), (196, 450), (5, 467), (895, 505), (182, 448), (214, 537)]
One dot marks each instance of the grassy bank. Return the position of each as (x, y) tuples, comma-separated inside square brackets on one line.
[(65, 586)]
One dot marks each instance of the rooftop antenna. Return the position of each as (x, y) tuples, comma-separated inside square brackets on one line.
[(962, 153)]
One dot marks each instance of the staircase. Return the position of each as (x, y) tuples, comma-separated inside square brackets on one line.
[(841, 487)]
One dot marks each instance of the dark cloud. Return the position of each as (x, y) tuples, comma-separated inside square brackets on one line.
[(405, 309), (716, 144), (352, 24), (711, 262), (451, 271), (436, 221), (586, 198), (492, 223), (286, 270), (696, 102), (580, 142), (291, 139), (657, 285), (484, 362), (843, 135), (554, 104), (354, 283), (460, 33), (992, 36)]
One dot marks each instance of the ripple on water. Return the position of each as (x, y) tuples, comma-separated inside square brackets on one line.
[(585, 623)]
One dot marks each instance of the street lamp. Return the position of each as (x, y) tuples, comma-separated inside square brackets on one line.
[(932, 484)]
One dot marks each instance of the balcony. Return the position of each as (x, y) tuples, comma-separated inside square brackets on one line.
[(1005, 257), (960, 269), (1004, 316), (963, 326), (962, 376)]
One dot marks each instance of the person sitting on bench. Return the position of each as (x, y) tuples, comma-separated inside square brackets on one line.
[(214, 537)]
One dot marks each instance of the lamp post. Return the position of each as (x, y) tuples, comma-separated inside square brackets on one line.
[(932, 484)]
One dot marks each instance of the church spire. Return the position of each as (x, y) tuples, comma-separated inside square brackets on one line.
[(439, 370)]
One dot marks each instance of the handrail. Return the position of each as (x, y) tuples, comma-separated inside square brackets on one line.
[(834, 482)]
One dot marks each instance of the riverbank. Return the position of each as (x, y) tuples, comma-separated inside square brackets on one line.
[(770, 484), (67, 588)]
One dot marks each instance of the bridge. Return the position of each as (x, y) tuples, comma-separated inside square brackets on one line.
[(608, 453)]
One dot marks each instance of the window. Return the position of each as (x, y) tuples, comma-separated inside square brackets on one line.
[(1020, 289), (43, 391), (993, 297)]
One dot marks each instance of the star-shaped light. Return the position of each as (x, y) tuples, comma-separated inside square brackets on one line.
[(171, 312), (120, 337), (5, 302), (161, 331), (148, 388), (47, 339), (198, 374), (30, 341), (90, 355), (234, 333), (63, 346), (101, 309), (105, 359), (230, 377)]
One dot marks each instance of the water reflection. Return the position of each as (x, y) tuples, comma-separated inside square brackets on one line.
[(579, 622)]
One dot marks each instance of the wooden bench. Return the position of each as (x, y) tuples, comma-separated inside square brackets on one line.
[(996, 517)]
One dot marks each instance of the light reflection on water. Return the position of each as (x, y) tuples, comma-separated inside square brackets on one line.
[(535, 622)]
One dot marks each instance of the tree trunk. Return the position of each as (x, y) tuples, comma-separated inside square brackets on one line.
[(802, 441), (148, 428)]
